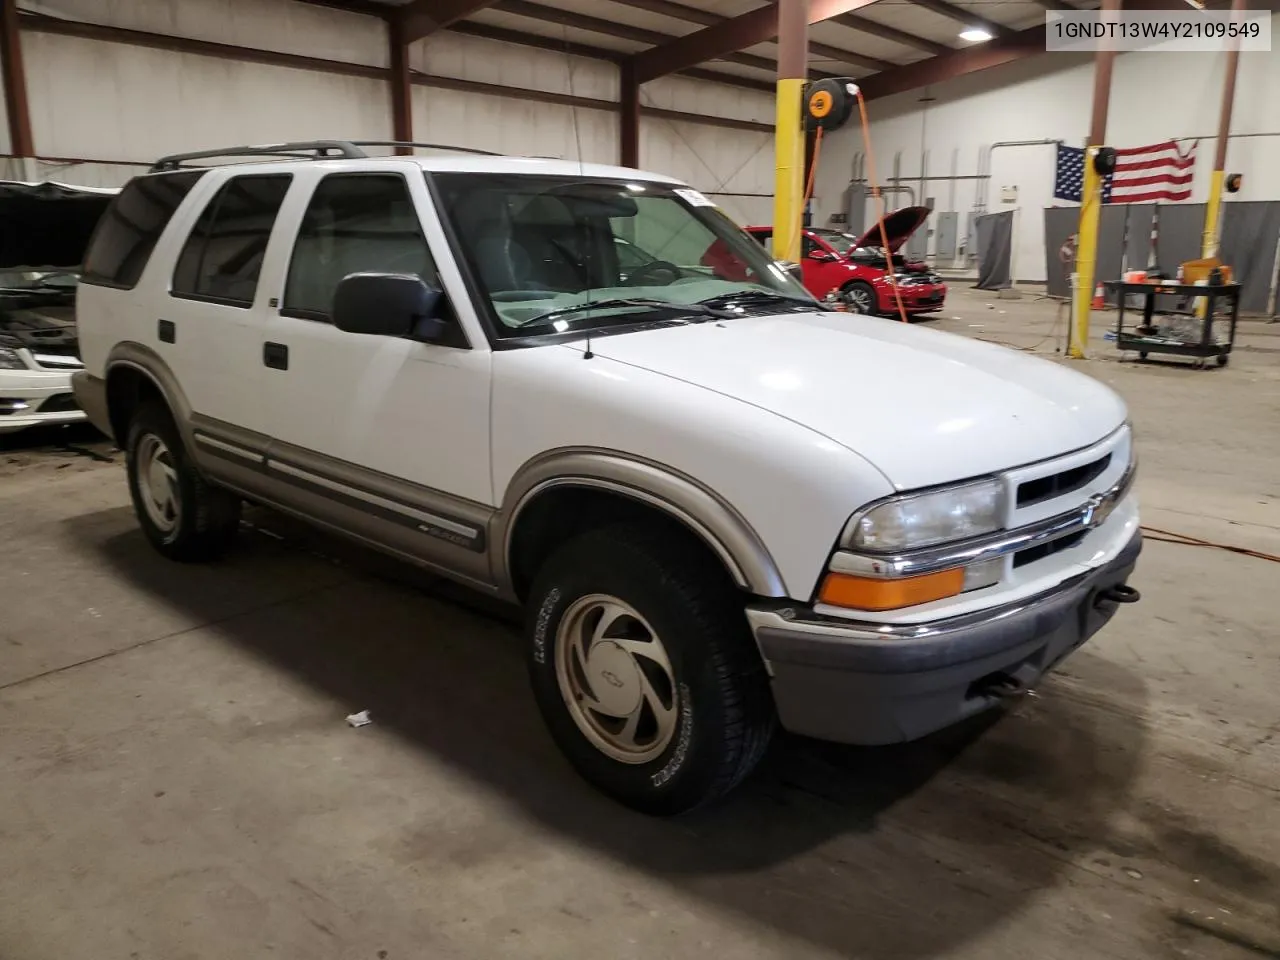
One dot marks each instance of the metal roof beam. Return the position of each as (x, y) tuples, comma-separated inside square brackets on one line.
[(957, 63), (1014, 45), (721, 39), (573, 48), (421, 18), (964, 17), (623, 31), (892, 34), (370, 8), (678, 11)]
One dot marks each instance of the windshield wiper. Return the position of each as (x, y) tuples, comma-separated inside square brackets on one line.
[(754, 296), (616, 303)]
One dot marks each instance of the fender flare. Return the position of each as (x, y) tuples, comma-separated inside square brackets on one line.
[(681, 497), (146, 361)]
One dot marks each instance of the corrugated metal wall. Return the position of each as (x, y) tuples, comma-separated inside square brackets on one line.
[(115, 102), (98, 100)]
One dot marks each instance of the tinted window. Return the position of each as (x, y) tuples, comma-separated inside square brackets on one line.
[(223, 255), (355, 223), (132, 225)]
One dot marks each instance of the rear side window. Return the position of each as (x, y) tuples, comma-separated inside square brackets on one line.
[(355, 223), (223, 255), (129, 230)]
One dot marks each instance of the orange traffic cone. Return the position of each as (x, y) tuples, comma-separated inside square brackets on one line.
[(1099, 298)]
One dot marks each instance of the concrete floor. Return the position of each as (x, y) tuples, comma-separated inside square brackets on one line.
[(177, 779)]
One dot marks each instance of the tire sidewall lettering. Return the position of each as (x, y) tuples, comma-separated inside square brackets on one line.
[(680, 752), (543, 623)]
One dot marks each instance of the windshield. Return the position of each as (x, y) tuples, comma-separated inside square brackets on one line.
[(566, 254), (841, 243)]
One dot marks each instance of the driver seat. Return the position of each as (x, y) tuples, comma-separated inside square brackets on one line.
[(501, 261)]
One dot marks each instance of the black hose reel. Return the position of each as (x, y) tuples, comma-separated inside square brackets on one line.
[(1104, 161)]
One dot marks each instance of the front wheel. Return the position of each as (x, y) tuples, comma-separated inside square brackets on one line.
[(861, 297), (645, 671)]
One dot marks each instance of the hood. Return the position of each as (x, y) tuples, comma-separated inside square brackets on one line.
[(924, 407), (898, 226), (47, 225), (42, 329)]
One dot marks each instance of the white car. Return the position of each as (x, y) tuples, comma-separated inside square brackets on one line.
[(722, 506), (45, 230)]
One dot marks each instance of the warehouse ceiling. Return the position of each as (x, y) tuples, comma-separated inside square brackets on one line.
[(889, 45)]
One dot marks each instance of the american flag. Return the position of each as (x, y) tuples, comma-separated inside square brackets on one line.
[(1160, 171)]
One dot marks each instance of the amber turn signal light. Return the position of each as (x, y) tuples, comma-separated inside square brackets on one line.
[(872, 593)]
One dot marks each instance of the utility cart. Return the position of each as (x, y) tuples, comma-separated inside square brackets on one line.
[(1178, 327)]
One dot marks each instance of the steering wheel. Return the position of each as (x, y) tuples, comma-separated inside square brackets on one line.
[(641, 275)]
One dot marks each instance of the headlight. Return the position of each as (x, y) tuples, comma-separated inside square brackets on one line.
[(926, 519), (9, 360)]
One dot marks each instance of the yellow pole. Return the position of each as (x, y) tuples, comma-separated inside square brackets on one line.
[(1086, 255), (788, 192), (1213, 209), (1091, 194), (788, 134)]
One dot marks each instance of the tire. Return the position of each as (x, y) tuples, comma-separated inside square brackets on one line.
[(861, 298), (698, 724), (181, 513), (1223, 359)]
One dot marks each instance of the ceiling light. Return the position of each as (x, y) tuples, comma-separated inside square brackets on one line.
[(975, 35)]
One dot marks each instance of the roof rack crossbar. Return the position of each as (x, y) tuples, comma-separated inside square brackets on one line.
[(425, 146), (317, 149)]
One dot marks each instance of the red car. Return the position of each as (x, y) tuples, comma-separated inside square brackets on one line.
[(857, 269)]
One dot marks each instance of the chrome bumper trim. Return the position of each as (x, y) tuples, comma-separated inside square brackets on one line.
[(1092, 513), (799, 621)]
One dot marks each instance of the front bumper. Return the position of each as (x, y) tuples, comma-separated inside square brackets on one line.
[(873, 684), (916, 298), (31, 398)]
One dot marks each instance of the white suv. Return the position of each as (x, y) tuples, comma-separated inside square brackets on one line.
[(722, 506)]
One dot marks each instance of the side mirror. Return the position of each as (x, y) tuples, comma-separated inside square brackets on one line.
[(822, 256), (389, 305)]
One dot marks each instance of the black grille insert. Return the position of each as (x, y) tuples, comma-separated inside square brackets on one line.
[(1055, 485), (1032, 554)]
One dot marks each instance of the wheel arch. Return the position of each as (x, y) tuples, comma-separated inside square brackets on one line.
[(135, 373), (642, 486)]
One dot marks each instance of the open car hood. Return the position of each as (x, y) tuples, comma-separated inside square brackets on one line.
[(898, 226), (46, 226)]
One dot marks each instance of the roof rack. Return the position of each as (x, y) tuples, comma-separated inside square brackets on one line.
[(304, 150), (425, 146)]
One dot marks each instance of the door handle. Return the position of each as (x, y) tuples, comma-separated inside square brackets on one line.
[(275, 355), (167, 332)]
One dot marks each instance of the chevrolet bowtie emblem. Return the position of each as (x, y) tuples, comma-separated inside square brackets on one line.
[(1095, 511)]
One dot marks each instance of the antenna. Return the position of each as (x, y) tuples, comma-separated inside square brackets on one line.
[(577, 138)]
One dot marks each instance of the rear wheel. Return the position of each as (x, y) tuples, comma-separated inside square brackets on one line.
[(183, 516), (861, 297), (645, 671)]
